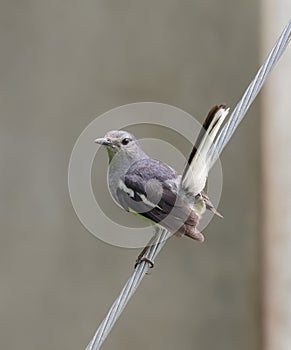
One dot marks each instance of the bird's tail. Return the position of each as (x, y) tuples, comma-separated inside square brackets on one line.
[(196, 172), (189, 228)]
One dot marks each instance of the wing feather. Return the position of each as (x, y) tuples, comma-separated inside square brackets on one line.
[(144, 190)]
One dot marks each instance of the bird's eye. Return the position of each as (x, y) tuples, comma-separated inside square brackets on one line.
[(125, 141)]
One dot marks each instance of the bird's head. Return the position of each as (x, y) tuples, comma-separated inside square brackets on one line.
[(120, 141)]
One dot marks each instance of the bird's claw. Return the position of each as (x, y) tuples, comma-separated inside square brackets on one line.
[(140, 260)]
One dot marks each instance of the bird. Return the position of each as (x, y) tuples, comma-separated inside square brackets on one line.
[(154, 190)]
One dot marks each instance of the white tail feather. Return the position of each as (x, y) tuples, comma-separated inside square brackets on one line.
[(194, 179)]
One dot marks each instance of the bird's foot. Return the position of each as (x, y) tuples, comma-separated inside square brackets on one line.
[(140, 259)]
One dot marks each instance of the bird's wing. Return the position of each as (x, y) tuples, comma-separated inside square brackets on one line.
[(149, 189), (148, 183), (195, 174)]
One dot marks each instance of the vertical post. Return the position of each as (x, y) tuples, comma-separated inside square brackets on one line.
[(276, 190)]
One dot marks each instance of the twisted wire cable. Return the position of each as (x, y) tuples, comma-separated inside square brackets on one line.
[(162, 234), (250, 94), (128, 290)]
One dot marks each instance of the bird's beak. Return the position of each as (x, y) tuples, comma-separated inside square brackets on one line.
[(103, 141)]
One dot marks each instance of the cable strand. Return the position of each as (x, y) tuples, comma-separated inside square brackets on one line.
[(128, 290), (250, 94)]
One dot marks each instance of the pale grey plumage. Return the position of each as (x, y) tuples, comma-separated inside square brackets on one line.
[(153, 189)]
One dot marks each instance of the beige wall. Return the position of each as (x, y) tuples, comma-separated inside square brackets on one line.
[(62, 64), (276, 228)]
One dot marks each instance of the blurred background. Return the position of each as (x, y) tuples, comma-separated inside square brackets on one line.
[(65, 62)]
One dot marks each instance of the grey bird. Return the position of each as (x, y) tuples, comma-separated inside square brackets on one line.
[(154, 190)]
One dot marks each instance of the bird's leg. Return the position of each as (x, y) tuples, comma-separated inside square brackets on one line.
[(142, 256)]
